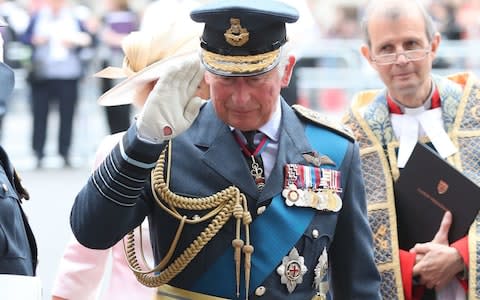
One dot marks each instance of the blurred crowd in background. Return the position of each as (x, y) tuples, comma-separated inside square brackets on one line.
[(106, 22), (457, 19)]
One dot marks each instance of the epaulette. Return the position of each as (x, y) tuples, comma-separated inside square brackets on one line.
[(17, 182), (323, 121)]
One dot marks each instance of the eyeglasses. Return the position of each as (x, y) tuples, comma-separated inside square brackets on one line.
[(391, 58)]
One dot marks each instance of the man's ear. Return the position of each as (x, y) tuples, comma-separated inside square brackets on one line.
[(287, 74), (207, 77), (437, 38), (365, 50)]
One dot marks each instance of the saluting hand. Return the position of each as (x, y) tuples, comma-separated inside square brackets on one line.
[(437, 263), (172, 106)]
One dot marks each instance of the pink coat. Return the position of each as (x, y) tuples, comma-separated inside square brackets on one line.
[(82, 270)]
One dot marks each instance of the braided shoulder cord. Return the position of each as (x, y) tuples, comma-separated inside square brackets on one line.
[(222, 206)]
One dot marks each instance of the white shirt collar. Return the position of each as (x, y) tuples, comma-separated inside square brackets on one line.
[(272, 127), (409, 127)]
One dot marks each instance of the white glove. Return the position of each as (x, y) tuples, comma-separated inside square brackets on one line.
[(171, 106)]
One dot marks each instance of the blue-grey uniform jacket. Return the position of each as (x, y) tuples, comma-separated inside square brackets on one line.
[(18, 249), (205, 159)]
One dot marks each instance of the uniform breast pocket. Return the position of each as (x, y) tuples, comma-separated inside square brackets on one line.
[(317, 237), (13, 239)]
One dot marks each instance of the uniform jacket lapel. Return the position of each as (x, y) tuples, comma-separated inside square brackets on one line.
[(222, 153)]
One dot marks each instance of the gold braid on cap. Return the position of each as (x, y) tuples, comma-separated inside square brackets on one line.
[(240, 64), (222, 205)]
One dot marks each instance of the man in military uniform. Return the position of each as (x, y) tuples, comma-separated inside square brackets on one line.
[(248, 197), (18, 250), (400, 44)]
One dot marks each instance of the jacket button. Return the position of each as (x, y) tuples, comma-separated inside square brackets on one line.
[(260, 291), (260, 210), (315, 233), (4, 187)]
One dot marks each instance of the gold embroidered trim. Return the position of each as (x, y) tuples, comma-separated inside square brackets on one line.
[(323, 120), (388, 205), (241, 63)]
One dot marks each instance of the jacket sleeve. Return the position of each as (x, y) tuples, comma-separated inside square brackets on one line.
[(80, 272), (113, 201), (462, 247), (407, 261), (354, 273)]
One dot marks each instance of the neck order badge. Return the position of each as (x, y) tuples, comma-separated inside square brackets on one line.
[(253, 153)]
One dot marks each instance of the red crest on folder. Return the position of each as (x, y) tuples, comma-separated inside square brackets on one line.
[(442, 187)]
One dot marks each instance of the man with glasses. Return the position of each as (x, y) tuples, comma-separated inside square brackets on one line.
[(401, 43)]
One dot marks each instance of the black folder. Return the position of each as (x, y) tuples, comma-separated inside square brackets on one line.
[(428, 186)]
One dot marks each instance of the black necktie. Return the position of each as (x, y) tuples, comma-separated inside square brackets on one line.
[(250, 137), (255, 162), (429, 294)]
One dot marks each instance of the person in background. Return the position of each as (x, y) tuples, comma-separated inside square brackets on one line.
[(118, 21), (302, 33), (401, 43), (160, 15), (55, 35), (81, 269), (230, 215), (16, 18), (18, 249)]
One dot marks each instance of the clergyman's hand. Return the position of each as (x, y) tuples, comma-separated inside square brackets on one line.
[(172, 106), (437, 263)]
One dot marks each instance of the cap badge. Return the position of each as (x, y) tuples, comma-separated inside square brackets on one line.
[(236, 35)]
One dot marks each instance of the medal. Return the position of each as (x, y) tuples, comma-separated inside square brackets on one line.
[(256, 166), (320, 271), (292, 194), (257, 173), (313, 187), (292, 269)]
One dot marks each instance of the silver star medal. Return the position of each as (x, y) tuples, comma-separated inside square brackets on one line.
[(293, 195), (292, 270), (320, 271)]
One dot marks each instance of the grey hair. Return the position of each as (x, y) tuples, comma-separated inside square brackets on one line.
[(393, 10), (282, 61)]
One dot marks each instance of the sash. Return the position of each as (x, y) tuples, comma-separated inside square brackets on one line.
[(271, 242)]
